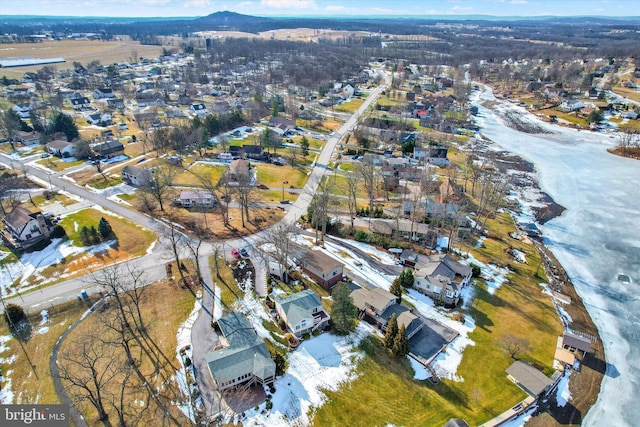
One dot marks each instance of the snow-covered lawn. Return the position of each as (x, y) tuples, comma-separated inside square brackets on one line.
[(30, 264), (322, 363)]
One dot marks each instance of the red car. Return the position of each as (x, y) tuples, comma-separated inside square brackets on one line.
[(235, 253)]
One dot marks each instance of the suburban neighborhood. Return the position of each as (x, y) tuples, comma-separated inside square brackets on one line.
[(227, 236)]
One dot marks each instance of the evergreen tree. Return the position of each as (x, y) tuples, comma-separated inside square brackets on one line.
[(64, 123), (401, 343), (94, 236), (406, 279), (104, 228), (304, 146), (343, 313), (396, 288), (85, 236), (392, 331)]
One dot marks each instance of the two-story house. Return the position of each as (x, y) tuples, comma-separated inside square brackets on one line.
[(138, 177), (323, 269), (441, 277), (302, 312), (23, 228), (244, 357)]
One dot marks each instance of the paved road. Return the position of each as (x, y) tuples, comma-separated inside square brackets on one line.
[(202, 336)]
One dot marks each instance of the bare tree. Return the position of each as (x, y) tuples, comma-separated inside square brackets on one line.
[(86, 369), (351, 189), (280, 237), (629, 138), (367, 171), (160, 186), (515, 345), (244, 190)]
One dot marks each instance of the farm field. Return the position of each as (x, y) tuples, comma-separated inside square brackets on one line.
[(83, 51)]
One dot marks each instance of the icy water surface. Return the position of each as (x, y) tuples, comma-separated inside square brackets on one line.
[(597, 240)]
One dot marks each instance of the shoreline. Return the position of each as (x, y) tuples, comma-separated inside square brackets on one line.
[(585, 383)]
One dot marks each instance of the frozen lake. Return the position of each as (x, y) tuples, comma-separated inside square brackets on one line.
[(597, 240)]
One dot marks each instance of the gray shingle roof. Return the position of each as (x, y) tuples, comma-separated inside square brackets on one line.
[(299, 305)]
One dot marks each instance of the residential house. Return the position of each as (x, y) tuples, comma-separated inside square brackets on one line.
[(239, 172), (438, 157), (108, 149), (80, 103), (115, 103), (572, 105), (23, 110), (429, 208), (378, 306), (302, 312), (323, 269), (136, 176), (62, 148), (244, 358), (27, 138), (441, 277), (149, 99), (98, 119), (103, 93), (275, 121), (528, 378), (574, 343), (18, 93), (196, 199), (254, 152), (198, 109), (184, 99), (450, 192), (23, 228)]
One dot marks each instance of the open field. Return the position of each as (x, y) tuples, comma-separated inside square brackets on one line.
[(629, 93), (83, 51), (350, 106), (274, 176)]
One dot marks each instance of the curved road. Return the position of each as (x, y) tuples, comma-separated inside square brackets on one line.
[(202, 337)]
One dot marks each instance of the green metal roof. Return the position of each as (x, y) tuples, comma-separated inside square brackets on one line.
[(246, 353)]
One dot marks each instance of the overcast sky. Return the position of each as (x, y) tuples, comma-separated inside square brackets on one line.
[(149, 8)]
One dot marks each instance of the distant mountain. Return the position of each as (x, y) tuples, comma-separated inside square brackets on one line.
[(230, 19)]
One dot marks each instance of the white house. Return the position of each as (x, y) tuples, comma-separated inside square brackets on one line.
[(198, 109), (302, 312), (97, 119), (61, 148), (23, 229), (103, 93), (23, 110), (196, 199), (572, 105)]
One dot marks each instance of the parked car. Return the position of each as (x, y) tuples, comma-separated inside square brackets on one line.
[(235, 253), (263, 187), (244, 253)]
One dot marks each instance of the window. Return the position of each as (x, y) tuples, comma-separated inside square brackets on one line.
[(28, 236)]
